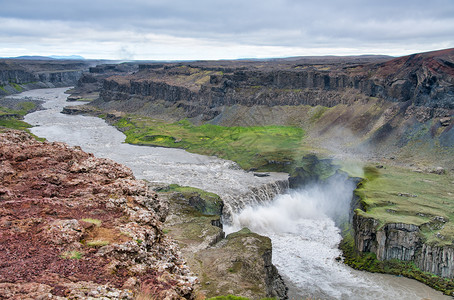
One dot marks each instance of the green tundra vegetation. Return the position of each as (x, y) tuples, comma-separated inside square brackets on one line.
[(255, 147), (22, 109), (392, 194), (16, 87), (13, 123), (11, 118), (389, 194), (399, 195), (204, 202)]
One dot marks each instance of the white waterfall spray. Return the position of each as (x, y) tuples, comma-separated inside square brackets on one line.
[(284, 213), (254, 197)]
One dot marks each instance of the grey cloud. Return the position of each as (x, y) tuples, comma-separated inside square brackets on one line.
[(291, 23)]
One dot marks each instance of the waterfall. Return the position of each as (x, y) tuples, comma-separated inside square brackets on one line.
[(256, 195), (284, 211)]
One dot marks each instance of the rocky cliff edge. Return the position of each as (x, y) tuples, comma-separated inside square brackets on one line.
[(72, 225), (403, 242)]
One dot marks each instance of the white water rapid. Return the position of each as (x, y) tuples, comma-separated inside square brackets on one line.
[(299, 223)]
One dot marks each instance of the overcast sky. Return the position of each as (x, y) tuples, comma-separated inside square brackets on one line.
[(221, 29)]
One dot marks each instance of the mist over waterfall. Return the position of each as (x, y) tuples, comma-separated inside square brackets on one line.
[(301, 226), (330, 199)]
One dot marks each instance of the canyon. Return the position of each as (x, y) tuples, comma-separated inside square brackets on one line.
[(313, 257), (388, 112), (424, 79), (382, 107), (397, 111), (17, 75), (159, 166)]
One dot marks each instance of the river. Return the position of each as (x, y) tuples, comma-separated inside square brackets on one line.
[(299, 223)]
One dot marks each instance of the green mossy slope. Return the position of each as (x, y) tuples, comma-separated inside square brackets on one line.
[(258, 147)]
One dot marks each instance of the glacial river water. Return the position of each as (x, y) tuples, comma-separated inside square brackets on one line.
[(300, 223)]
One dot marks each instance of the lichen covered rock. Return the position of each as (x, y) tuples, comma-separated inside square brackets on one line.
[(76, 226), (403, 242)]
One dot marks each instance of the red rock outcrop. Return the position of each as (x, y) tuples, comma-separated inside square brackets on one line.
[(72, 225)]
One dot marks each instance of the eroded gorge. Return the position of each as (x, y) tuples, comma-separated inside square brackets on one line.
[(364, 144)]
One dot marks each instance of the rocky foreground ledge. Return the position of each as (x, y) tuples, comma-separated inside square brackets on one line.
[(75, 226)]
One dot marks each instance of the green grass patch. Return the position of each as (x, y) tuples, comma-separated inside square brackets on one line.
[(397, 195), (13, 123), (260, 147), (26, 107), (8, 111), (188, 189), (71, 255), (317, 113), (11, 118), (97, 243), (204, 202), (93, 221), (16, 86), (23, 108)]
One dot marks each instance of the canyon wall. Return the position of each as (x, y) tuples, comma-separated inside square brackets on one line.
[(423, 79), (403, 242), (15, 81), (411, 103), (60, 78), (14, 75), (383, 106), (18, 75), (51, 79)]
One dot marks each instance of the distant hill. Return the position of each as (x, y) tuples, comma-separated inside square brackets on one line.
[(52, 57), (75, 57)]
